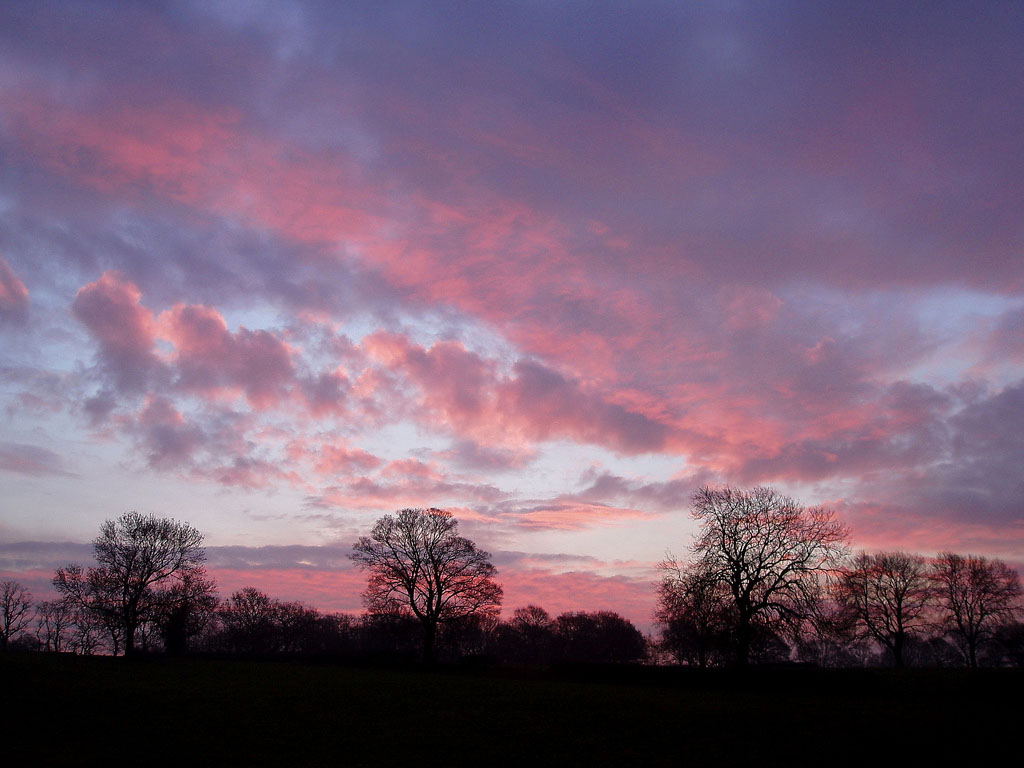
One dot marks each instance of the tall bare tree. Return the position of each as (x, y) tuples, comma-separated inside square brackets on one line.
[(141, 558), (15, 611), (889, 595), (769, 552), (417, 563), (976, 596)]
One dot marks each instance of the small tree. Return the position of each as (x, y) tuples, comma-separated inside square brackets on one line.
[(141, 558), (768, 552), (694, 611), (599, 636), (531, 632), (249, 621), (418, 563), (15, 611), (188, 607), (888, 593), (55, 619), (87, 632), (976, 596)]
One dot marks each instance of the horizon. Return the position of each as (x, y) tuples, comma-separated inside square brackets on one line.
[(277, 271)]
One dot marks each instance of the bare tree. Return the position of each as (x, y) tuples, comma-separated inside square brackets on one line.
[(694, 611), (87, 632), (532, 618), (186, 609), (770, 553), (249, 620), (888, 593), (977, 595), (834, 637), (418, 563), (15, 611), (94, 596), (141, 558), (55, 619)]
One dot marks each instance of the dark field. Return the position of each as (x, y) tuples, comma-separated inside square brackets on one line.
[(209, 712)]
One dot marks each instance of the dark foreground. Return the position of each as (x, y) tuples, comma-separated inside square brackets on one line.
[(208, 713)]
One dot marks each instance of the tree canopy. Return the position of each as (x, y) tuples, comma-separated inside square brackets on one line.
[(145, 564), (417, 563), (770, 554)]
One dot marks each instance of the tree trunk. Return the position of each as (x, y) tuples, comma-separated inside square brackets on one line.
[(129, 640), (897, 651), (743, 633)]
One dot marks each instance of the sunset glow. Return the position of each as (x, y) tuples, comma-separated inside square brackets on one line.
[(277, 269)]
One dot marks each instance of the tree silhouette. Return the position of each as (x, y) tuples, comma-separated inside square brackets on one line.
[(888, 595), (770, 554), (695, 613), (142, 558), (188, 607), (529, 636), (417, 563), (249, 622), (976, 596), (54, 621), (598, 637), (15, 611)]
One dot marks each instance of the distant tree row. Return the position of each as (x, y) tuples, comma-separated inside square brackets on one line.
[(770, 580), (430, 594), (252, 624)]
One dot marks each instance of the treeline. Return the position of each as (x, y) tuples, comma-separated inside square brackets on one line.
[(772, 581), (252, 624), (889, 609), (768, 581)]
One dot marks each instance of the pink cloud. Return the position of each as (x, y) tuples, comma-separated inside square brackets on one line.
[(518, 264), (31, 460), (13, 294), (325, 393), (477, 456), (247, 472), (406, 491), (333, 459), (212, 360), (465, 394), (1004, 342), (571, 515), (169, 440), (199, 157), (126, 331), (887, 525), (412, 468), (749, 307)]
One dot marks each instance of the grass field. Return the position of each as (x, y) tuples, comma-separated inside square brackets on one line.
[(212, 712)]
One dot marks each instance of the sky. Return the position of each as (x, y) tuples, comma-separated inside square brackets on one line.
[(278, 269)]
